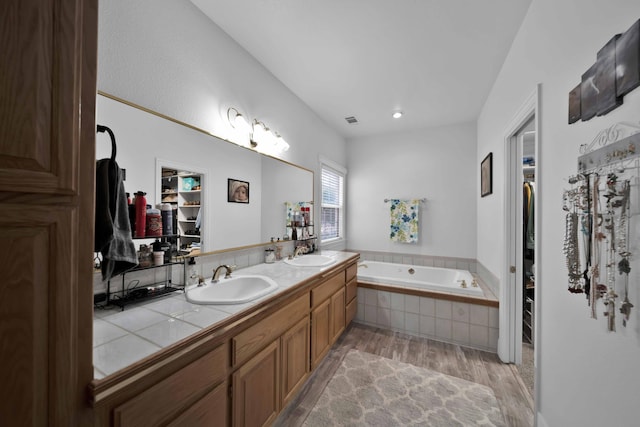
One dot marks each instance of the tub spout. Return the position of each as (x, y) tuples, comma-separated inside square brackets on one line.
[(363, 265)]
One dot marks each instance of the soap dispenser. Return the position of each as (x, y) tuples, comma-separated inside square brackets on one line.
[(278, 250), (192, 278)]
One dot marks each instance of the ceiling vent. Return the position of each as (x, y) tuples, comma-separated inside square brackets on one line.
[(351, 120)]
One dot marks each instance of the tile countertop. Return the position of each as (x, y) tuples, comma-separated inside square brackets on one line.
[(121, 338)]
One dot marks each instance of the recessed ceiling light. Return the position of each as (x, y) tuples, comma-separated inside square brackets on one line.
[(397, 114)]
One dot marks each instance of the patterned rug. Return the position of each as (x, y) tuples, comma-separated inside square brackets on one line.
[(370, 390)]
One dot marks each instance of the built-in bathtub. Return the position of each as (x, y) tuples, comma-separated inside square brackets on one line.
[(431, 302), (420, 278)]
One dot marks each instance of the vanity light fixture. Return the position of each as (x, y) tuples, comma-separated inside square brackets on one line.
[(266, 139), (279, 143), (237, 120), (260, 136), (397, 114)]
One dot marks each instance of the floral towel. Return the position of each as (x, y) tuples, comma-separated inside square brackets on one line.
[(404, 220), (293, 207)]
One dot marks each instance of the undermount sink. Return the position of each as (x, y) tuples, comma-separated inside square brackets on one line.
[(234, 290), (310, 261)]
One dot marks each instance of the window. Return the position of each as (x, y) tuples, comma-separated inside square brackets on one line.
[(332, 210)]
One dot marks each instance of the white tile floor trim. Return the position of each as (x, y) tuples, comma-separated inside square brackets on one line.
[(470, 325)]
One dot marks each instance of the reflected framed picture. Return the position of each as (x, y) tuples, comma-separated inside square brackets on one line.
[(486, 175), (238, 191)]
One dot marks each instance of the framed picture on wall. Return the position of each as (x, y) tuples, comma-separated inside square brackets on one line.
[(238, 191), (486, 175), (628, 60)]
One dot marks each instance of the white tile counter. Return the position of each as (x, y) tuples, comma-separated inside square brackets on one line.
[(121, 338)]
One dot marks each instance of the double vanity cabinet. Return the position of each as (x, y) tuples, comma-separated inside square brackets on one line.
[(242, 371)]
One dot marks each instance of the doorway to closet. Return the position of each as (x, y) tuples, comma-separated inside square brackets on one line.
[(520, 293), (526, 138)]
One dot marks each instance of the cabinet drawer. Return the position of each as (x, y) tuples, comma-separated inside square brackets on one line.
[(251, 340), (352, 272), (352, 309), (171, 395), (352, 289), (326, 289)]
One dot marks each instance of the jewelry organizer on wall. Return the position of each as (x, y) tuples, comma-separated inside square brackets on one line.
[(602, 206)]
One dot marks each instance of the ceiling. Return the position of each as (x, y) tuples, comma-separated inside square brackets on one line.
[(434, 60)]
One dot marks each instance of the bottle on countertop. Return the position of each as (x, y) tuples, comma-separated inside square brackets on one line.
[(153, 223), (269, 256), (141, 213), (278, 250), (166, 211), (192, 278)]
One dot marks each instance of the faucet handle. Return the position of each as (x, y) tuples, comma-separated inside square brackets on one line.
[(463, 283), (230, 269)]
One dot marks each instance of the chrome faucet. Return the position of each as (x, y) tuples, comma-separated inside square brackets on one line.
[(216, 272), (463, 283), (297, 251)]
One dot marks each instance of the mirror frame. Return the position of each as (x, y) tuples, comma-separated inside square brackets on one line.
[(210, 134)]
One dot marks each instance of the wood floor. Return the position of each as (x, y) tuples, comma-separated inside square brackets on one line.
[(472, 365)]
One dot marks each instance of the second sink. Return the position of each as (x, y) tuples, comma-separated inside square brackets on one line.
[(234, 290), (311, 261)]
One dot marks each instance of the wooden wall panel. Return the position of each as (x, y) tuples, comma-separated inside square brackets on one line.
[(47, 157), (40, 87), (36, 327)]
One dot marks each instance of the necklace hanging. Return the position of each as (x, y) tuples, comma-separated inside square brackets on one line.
[(623, 265), (572, 252)]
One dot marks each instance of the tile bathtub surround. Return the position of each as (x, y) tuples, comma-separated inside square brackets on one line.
[(465, 324), (421, 260)]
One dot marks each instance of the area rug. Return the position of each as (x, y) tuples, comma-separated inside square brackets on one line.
[(370, 390)]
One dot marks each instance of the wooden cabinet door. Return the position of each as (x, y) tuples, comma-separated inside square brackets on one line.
[(47, 158), (256, 389), (209, 411), (320, 332), (337, 314), (295, 359)]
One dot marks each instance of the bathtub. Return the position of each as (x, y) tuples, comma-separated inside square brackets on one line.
[(418, 277), (427, 302)]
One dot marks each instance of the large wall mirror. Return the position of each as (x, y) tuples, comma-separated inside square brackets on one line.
[(147, 141)]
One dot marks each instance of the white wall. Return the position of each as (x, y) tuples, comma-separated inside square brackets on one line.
[(167, 56), (588, 377), (437, 164)]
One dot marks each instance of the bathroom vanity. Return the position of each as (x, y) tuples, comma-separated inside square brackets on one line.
[(241, 371)]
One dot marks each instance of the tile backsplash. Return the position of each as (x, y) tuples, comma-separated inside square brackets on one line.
[(204, 267)]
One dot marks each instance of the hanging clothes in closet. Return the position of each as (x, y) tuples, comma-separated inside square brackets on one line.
[(528, 218)]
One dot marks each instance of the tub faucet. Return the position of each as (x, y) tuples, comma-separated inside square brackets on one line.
[(216, 272), (463, 283), (474, 283), (363, 265)]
